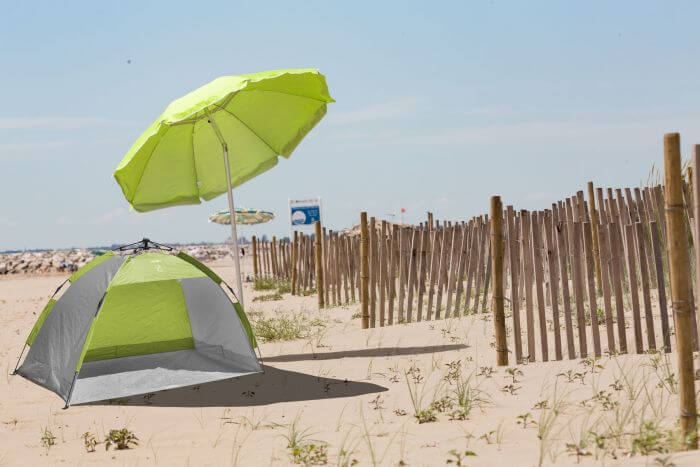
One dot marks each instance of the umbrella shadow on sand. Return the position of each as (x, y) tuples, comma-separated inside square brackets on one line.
[(275, 385)]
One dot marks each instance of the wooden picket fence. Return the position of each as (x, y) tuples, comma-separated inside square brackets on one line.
[(580, 277)]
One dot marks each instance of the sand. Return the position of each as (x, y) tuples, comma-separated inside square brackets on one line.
[(349, 389)]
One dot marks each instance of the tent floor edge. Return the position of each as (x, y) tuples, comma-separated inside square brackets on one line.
[(70, 392)]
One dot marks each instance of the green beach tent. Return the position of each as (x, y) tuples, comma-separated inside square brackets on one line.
[(138, 323)]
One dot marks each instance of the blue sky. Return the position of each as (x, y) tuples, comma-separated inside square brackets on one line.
[(439, 105)]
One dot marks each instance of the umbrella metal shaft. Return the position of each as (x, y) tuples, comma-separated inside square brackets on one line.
[(229, 194)]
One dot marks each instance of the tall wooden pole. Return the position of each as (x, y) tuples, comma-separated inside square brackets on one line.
[(255, 258), (680, 286), (319, 265), (497, 279), (295, 254), (596, 240), (364, 270)]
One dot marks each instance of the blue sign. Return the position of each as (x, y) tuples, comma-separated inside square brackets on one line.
[(305, 215)]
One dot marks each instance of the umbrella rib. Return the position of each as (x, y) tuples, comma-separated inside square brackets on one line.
[(136, 188), (233, 94), (249, 129), (286, 94), (194, 163)]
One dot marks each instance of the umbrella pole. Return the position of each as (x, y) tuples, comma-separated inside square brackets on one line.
[(231, 210), (234, 234)]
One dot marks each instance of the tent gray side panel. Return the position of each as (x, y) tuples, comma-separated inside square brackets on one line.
[(141, 374), (213, 319), (51, 361)]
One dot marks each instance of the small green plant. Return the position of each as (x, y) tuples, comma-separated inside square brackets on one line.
[(541, 405), (441, 405), (285, 327), (488, 436), (513, 373), (425, 416), (47, 438), (377, 403), (467, 397), (310, 454), (268, 297), (264, 283), (302, 448), (454, 371), (650, 439), (578, 449), (511, 389), (591, 364), (89, 441), (664, 462), (525, 419), (485, 371), (284, 286), (572, 376), (458, 458), (120, 439)]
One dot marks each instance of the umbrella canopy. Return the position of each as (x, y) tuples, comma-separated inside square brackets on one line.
[(243, 217), (259, 116), (253, 118)]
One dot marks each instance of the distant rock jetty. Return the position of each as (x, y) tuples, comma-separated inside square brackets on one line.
[(66, 261)]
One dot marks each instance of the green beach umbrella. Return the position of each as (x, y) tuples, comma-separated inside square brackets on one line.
[(219, 136), (243, 217)]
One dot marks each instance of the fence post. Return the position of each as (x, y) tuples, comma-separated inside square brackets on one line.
[(497, 279), (319, 265), (680, 287), (364, 270)]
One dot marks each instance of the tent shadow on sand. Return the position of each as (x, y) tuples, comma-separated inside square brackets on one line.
[(273, 386)]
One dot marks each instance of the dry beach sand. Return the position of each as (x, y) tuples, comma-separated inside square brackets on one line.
[(350, 396)]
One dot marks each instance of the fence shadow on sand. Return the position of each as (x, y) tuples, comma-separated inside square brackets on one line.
[(273, 386), (373, 352)]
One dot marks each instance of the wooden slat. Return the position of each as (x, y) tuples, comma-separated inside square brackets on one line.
[(445, 247), (422, 272), (455, 256), (434, 269), (562, 254), (514, 259), (632, 269), (604, 244), (646, 296), (592, 296), (661, 287), (413, 269), (539, 279), (528, 272), (616, 273), (487, 274), (577, 274), (382, 274)]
